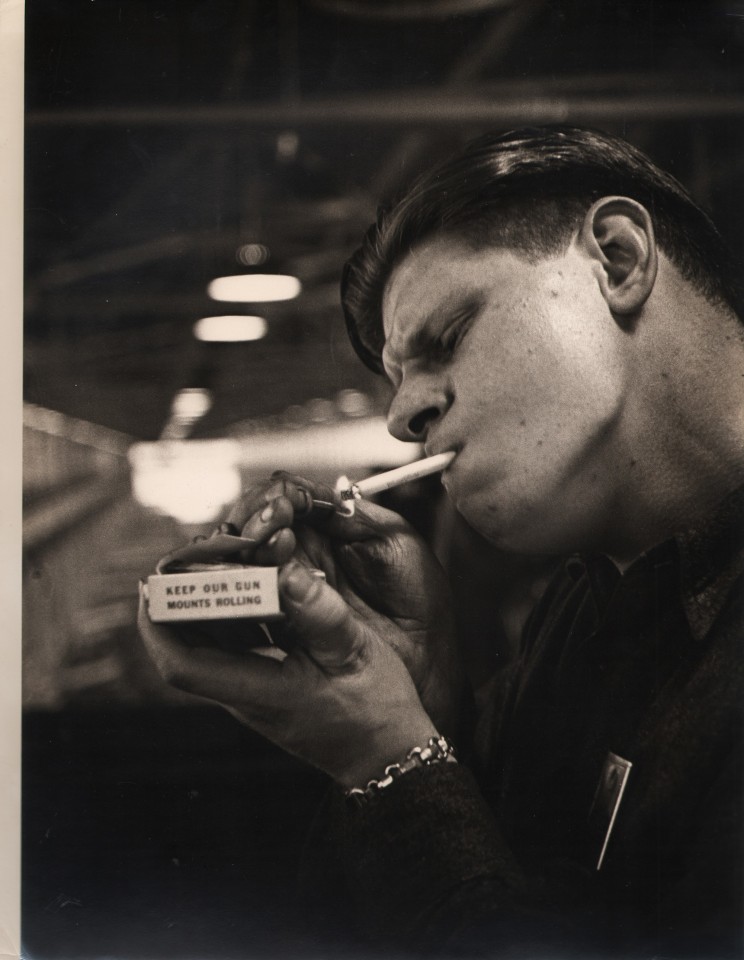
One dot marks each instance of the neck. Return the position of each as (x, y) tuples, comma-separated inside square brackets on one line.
[(682, 438)]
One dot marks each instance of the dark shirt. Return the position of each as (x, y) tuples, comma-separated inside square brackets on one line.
[(499, 857)]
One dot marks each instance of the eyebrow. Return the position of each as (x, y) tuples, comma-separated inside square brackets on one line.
[(450, 307)]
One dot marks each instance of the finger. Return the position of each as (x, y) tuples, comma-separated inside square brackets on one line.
[(315, 550), (368, 521), (250, 680), (323, 622), (315, 488), (252, 499), (256, 497), (277, 550), (264, 523), (321, 499)]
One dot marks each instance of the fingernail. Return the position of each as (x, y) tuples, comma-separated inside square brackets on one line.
[(274, 491), (296, 582), (307, 504), (273, 539), (268, 512), (228, 528)]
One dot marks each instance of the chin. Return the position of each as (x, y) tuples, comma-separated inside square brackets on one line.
[(518, 530), (486, 519)]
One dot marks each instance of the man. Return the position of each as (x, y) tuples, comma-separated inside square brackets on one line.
[(555, 310)]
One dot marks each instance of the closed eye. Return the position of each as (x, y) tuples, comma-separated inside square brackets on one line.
[(444, 347)]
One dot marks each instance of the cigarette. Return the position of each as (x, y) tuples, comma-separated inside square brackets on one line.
[(347, 492)]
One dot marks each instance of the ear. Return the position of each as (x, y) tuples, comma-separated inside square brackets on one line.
[(618, 235)]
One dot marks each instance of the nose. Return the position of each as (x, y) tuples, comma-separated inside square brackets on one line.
[(418, 403)]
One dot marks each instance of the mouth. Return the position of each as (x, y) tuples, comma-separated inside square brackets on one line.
[(433, 450)]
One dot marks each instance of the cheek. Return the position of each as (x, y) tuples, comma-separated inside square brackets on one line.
[(511, 382)]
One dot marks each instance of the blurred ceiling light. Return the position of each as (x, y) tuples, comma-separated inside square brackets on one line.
[(320, 410), (255, 288), (188, 406), (230, 329), (353, 403), (191, 403), (191, 481), (287, 145), (252, 254)]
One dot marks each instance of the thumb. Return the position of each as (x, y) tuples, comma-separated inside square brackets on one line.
[(326, 626)]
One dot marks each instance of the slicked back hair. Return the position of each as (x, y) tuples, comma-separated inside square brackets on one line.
[(528, 191)]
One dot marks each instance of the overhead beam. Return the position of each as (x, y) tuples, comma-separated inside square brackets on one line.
[(114, 304), (491, 46), (438, 109), (150, 251)]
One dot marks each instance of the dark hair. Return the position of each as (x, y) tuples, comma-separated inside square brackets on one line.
[(528, 190)]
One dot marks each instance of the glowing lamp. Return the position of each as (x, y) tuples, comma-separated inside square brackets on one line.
[(255, 288), (230, 329)]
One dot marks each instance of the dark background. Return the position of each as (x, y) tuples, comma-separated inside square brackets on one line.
[(162, 137)]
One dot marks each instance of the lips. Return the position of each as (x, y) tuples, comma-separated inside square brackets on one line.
[(433, 449)]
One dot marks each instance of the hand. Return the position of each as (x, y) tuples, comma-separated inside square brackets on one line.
[(360, 649), (383, 570), (342, 699)]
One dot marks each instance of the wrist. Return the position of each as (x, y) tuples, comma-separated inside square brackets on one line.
[(437, 750), (385, 747)]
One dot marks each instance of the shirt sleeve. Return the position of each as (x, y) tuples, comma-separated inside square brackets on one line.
[(432, 873)]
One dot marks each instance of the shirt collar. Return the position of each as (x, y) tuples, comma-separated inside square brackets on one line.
[(711, 560), (709, 555)]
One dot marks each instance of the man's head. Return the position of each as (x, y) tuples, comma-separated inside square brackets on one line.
[(519, 298), (527, 191)]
